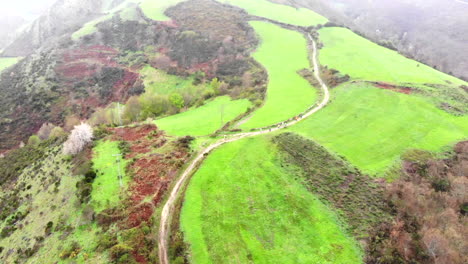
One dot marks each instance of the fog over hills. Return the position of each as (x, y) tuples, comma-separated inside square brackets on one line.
[(233, 131), (432, 31), (15, 14)]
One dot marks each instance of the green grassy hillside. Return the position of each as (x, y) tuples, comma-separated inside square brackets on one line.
[(51, 216), (106, 186), (7, 62), (154, 9), (372, 127), (125, 9), (204, 120), (281, 13), (362, 59), (288, 94), (159, 82), (242, 207)]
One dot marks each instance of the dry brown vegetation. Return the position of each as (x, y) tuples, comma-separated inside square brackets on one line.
[(430, 207)]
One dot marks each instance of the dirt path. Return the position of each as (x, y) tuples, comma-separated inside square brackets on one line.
[(169, 206)]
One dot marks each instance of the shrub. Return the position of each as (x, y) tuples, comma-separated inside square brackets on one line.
[(124, 148), (71, 122), (120, 250), (34, 140), (441, 185), (107, 240), (177, 100), (48, 229), (153, 105), (45, 130), (71, 251), (57, 132), (100, 116), (132, 109)]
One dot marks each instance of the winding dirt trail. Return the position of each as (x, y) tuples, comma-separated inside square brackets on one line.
[(168, 209)]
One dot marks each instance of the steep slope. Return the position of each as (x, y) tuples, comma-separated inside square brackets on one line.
[(8, 28), (72, 79), (63, 17)]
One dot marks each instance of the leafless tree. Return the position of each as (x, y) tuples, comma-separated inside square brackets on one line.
[(44, 131)]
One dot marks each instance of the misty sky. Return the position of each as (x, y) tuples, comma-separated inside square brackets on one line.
[(28, 9)]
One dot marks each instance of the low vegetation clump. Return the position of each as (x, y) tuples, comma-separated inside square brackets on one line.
[(13, 164), (429, 204), (357, 197), (242, 196)]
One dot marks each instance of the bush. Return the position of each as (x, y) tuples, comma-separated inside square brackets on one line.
[(441, 185), (132, 109), (177, 100), (48, 229), (106, 241), (153, 105), (34, 140), (71, 251), (124, 147), (57, 132), (120, 250)]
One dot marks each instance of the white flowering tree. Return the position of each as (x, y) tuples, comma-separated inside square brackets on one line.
[(79, 137)]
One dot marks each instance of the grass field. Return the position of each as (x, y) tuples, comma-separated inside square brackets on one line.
[(106, 188), (278, 12), (372, 127), (154, 9), (127, 13), (243, 207), (7, 62), (159, 82), (362, 59), (204, 120), (288, 94)]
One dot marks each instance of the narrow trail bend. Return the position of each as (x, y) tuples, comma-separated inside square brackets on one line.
[(168, 208)]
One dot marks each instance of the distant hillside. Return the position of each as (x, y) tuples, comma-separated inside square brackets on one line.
[(430, 31), (8, 27), (63, 17)]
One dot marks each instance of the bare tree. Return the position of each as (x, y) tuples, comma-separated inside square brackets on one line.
[(79, 137), (436, 244), (132, 109), (56, 132), (44, 131), (71, 122)]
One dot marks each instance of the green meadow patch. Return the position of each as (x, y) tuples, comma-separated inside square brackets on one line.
[(127, 12), (159, 82), (278, 12), (283, 53), (242, 206), (362, 59), (154, 9), (7, 62), (106, 187), (372, 127), (204, 120)]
